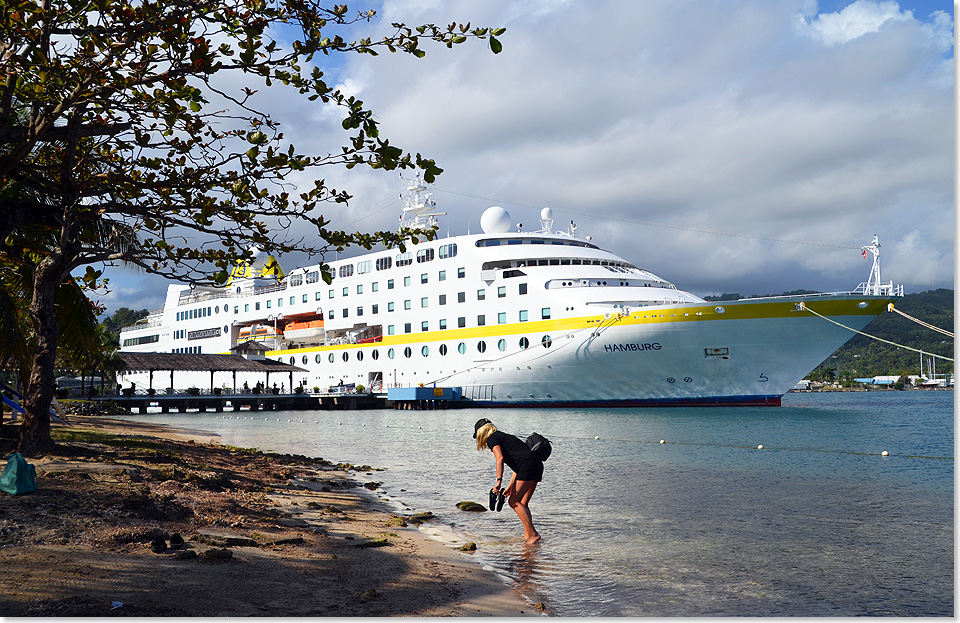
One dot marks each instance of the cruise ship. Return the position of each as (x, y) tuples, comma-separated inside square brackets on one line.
[(512, 317)]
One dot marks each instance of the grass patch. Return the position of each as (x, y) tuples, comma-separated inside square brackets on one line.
[(106, 439)]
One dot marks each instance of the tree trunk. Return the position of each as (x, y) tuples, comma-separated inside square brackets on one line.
[(38, 395)]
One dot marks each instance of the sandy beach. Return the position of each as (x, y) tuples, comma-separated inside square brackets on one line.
[(263, 535)]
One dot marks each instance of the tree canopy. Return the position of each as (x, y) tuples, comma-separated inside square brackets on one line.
[(119, 134)]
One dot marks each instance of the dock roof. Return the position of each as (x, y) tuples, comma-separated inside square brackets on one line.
[(199, 362)]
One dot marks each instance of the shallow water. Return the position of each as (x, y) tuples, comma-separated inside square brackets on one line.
[(815, 523)]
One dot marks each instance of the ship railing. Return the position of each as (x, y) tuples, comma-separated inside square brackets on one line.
[(477, 392), (882, 289)]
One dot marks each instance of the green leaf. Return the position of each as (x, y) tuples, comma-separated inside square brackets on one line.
[(495, 46)]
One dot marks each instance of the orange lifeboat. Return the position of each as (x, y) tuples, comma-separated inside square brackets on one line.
[(257, 332)]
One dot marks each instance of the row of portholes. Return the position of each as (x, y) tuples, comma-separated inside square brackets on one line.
[(546, 341)]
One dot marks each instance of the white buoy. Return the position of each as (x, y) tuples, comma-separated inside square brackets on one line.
[(760, 447), (597, 437), (662, 441), (884, 453), (386, 426)]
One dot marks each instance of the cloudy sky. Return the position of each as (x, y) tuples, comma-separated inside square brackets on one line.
[(735, 146)]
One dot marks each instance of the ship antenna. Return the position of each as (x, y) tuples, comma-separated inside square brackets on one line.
[(874, 286)]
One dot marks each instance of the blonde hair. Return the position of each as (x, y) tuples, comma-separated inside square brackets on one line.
[(483, 433)]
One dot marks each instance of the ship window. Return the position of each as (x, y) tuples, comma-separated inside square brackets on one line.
[(256, 306), (304, 360), (407, 327), (425, 350), (390, 353), (216, 309), (330, 293), (359, 288), (502, 345), (423, 302), (443, 323), (461, 297), (346, 312), (346, 270), (375, 354), (390, 306), (502, 318), (359, 355), (346, 291), (461, 273), (461, 322), (313, 276), (481, 320), (424, 325), (293, 300), (279, 302), (293, 360), (461, 348), (481, 294), (389, 284), (482, 346), (236, 309), (501, 292), (443, 349), (364, 267), (375, 308), (523, 315), (317, 358), (375, 286), (423, 278), (546, 341), (345, 356), (389, 329), (384, 263), (442, 299), (406, 282), (405, 259), (407, 352), (316, 296), (545, 313), (523, 288), (406, 304), (524, 343), (304, 298), (424, 255), (447, 250), (330, 357), (330, 315), (246, 307), (296, 280), (442, 275), (360, 311)]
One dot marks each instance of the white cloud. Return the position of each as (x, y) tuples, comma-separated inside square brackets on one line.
[(856, 20)]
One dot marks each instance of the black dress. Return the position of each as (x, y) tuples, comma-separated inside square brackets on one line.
[(517, 456)]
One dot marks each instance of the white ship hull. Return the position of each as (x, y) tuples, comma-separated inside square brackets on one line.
[(522, 319)]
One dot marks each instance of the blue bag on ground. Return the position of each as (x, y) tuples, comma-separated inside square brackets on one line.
[(18, 476)]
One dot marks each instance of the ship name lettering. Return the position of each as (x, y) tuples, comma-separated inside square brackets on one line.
[(611, 348)]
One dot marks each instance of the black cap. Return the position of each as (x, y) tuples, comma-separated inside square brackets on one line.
[(480, 423)]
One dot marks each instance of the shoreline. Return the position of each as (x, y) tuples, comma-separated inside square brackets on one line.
[(266, 535)]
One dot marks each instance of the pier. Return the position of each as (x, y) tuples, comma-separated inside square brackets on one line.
[(251, 402)]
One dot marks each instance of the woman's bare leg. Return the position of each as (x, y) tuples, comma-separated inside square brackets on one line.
[(520, 492)]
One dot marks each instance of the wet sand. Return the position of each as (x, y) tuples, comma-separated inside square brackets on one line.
[(265, 535)]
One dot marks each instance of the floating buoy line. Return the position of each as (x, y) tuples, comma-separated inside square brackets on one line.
[(660, 442)]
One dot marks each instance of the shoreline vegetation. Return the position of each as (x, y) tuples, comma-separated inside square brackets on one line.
[(262, 535)]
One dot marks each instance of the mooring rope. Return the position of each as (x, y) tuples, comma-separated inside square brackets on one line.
[(874, 337), (918, 321)]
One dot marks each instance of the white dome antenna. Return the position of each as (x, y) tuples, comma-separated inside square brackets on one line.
[(495, 220)]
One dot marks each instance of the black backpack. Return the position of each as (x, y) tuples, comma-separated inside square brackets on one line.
[(539, 446)]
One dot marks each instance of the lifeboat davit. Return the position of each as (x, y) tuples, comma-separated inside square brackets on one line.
[(303, 330)]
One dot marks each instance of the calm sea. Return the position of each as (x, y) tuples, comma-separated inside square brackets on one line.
[(705, 524)]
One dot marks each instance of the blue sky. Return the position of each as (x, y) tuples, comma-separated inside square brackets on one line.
[(728, 146)]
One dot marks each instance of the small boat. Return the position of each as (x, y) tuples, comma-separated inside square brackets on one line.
[(257, 332), (302, 330)]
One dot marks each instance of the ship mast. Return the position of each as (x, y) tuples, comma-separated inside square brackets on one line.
[(417, 205), (873, 285)]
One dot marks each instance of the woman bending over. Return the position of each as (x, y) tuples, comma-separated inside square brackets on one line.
[(527, 471)]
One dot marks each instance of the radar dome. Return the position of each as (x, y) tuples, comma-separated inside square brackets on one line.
[(546, 214), (495, 220)]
